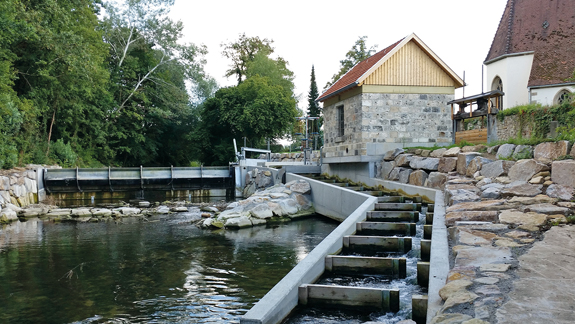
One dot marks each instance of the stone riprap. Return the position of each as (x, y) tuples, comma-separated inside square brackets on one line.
[(495, 212), (91, 214), (18, 187), (257, 179), (288, 201)]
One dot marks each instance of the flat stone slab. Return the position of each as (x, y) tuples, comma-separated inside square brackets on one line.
[(526, 221), (478, 256), (480, 205), (547, 209), (453, 217), (545, 290)]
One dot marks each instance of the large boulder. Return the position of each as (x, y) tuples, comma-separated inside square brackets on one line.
[(386, 168), (560, 191), (458, 196), (452, 152), (300, 186), (238, 222), (505, 151), (394, 174), (288, 206), (551, 150), (404, 174), (403, 160), (521, 189), (262, 211), (438, 153), (391, 155), (436, 180), (429, 164), (563, 172), (447, 164), (496, 169), (476, 164), (527, 221), (7, 215), (417, 178), (523, 152), (524, 170), (463, 160)]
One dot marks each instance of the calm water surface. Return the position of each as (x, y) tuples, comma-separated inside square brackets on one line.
[(163, 270)]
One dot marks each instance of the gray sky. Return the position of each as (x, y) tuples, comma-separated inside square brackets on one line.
[(321, 32)]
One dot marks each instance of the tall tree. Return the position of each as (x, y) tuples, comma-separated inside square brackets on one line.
[(356, 54), (149, 66), (313, 107), (60, 67), (275, 69), (243, 51), (255, 109)]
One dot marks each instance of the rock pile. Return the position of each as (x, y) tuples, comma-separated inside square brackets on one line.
[(84, 214), (257, 179), (280, 201)]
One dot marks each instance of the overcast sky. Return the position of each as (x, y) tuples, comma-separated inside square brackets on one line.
[(319, 33)]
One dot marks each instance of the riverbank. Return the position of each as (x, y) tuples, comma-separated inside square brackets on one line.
[(507, 221)]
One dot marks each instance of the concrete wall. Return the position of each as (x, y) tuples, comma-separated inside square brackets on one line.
[(514, 72)]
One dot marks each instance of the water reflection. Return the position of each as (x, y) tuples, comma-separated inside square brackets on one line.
[(164, 270)]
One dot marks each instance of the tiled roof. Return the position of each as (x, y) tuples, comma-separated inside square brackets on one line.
[(546, 27), (349, 79)]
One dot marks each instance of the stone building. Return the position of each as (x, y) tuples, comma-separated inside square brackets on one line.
[(395, 98), (532, 56)]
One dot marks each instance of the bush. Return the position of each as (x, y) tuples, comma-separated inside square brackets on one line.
[(63, 154)]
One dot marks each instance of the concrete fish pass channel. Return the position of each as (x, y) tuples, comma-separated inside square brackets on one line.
[(375, 237), (176, 182)]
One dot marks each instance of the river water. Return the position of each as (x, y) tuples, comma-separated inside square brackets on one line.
[(159, 270)]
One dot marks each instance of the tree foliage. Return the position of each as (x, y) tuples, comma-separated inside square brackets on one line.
[(243, 51), (256, 109), (356, 54)]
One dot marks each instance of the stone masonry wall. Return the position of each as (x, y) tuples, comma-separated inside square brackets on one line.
[(409, 119), (19, 186), (509, 128)]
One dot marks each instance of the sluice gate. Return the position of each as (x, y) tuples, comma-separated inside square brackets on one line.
[(139, 179)]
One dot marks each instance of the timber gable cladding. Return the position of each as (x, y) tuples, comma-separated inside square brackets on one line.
[(397, 97), (410, 66)]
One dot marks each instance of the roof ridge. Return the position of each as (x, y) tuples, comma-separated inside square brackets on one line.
[(494, 36)]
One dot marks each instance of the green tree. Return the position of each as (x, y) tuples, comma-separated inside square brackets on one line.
[(59, 64), (313, 108), (243, 51), (149, 66), (256, 109), (275, 69), (356, 54)]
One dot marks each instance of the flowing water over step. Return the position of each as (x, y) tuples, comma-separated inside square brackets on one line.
[(393, 230)]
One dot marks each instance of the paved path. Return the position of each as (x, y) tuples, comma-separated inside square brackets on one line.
[(545, 290)]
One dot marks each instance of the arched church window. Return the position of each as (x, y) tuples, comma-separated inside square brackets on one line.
[(562, 97), (497, 84)]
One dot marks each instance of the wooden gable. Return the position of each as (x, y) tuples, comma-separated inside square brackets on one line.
[(411, 66)]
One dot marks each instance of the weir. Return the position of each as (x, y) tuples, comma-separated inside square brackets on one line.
[(140, 179)]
